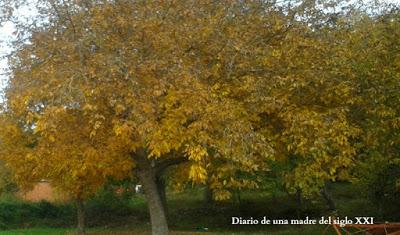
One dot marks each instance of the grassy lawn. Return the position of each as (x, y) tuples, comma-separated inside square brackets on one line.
[(36, 231), (306, 230), (188, 213)]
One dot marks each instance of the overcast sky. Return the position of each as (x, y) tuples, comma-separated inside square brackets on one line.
[(6, 34)]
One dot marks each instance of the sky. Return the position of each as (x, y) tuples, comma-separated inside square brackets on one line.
[(6, 34)]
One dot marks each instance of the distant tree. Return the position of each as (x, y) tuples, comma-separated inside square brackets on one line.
[(374, 61), (7, 184)]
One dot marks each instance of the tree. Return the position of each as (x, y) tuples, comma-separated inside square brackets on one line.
[(375, 65), (62, 153), (140, 81), (7, 185), (217, 89), (304, 103)]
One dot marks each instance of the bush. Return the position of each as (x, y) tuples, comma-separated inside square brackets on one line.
[(111, 206), (17, 214), (383, 191)]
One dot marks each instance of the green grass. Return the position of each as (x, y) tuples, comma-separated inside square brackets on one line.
[(306, 230), (37, 231), (187, 212)]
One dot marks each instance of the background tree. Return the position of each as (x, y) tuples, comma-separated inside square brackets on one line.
[(374, 61), (7, 184), (63, 154)]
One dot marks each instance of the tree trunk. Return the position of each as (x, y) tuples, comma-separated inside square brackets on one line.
[(162, 190), (299, 203), (81, 216), (208, 197), (238, 198), (328, 197), (147, 177)]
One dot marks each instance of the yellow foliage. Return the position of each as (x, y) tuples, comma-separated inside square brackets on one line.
[(228, 90)]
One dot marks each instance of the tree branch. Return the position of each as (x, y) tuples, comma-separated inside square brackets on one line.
[(162, 165)]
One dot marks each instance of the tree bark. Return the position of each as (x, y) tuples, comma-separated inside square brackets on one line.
[(147, 177), (208, 193), (208, 197), (81, 216), (299, 202), (328, 197), (238, 198), (160, 181)]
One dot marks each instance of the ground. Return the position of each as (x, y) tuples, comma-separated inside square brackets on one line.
[(188, 213), (310, 230)]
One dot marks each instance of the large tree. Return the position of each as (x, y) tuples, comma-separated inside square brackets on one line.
[(108, 88), (144, 82)]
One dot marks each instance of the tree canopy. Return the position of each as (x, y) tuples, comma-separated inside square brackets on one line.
[(113, 88)]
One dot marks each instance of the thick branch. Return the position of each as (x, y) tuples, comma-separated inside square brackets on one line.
[(165, 163)]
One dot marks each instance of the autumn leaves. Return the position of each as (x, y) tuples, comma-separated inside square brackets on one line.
[(233, 87)]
